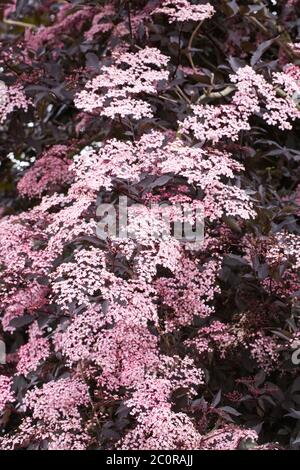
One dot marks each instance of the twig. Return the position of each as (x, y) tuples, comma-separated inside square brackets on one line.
[(95, 414), (283, 94), (217, 94), (128, 5), (19, 23), (167, 99), (190, 45), (182, 94), (179, 50)]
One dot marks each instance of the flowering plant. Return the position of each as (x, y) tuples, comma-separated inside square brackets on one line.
[(149, 340)]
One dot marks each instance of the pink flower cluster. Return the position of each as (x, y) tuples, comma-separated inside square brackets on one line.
[(34, 352), (69, 20), (227, 438), (11, 98), (115, 339), (101, 22), (113, 91), (253, 95), (184, 10), (48, 173), (55, 409), (6, 394), (58, 401), (285, 248), (99, 165)]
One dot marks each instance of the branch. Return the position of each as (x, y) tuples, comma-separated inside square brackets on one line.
[(217, 94), (128, 5), (19, 23), (190, 45)]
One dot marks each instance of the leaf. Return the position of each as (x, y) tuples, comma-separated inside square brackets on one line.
[(231, 222), (235, 261), (123, 411), (260, 50), (236, 63), (296, 385), (161, 181), (262, 271), (232, 4), (230, 410), (216, 399), (294, 413), (247, 444), (286, 336), (297, 440), (260, 378), (21, 321), (92, 61)]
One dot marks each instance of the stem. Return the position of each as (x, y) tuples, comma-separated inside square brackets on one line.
[(190, 45), (168, 99), (217, 94), (18, 23), (128, 5), (179, 92), (283, 94), (179, 50), (95, 414)]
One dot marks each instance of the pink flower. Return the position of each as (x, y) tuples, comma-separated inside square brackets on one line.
[(253, 95), (183, 10), (227, 438), (11, 98), (6, 394), (58, 401), (113, 91), (31, 354), (48, 173)]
